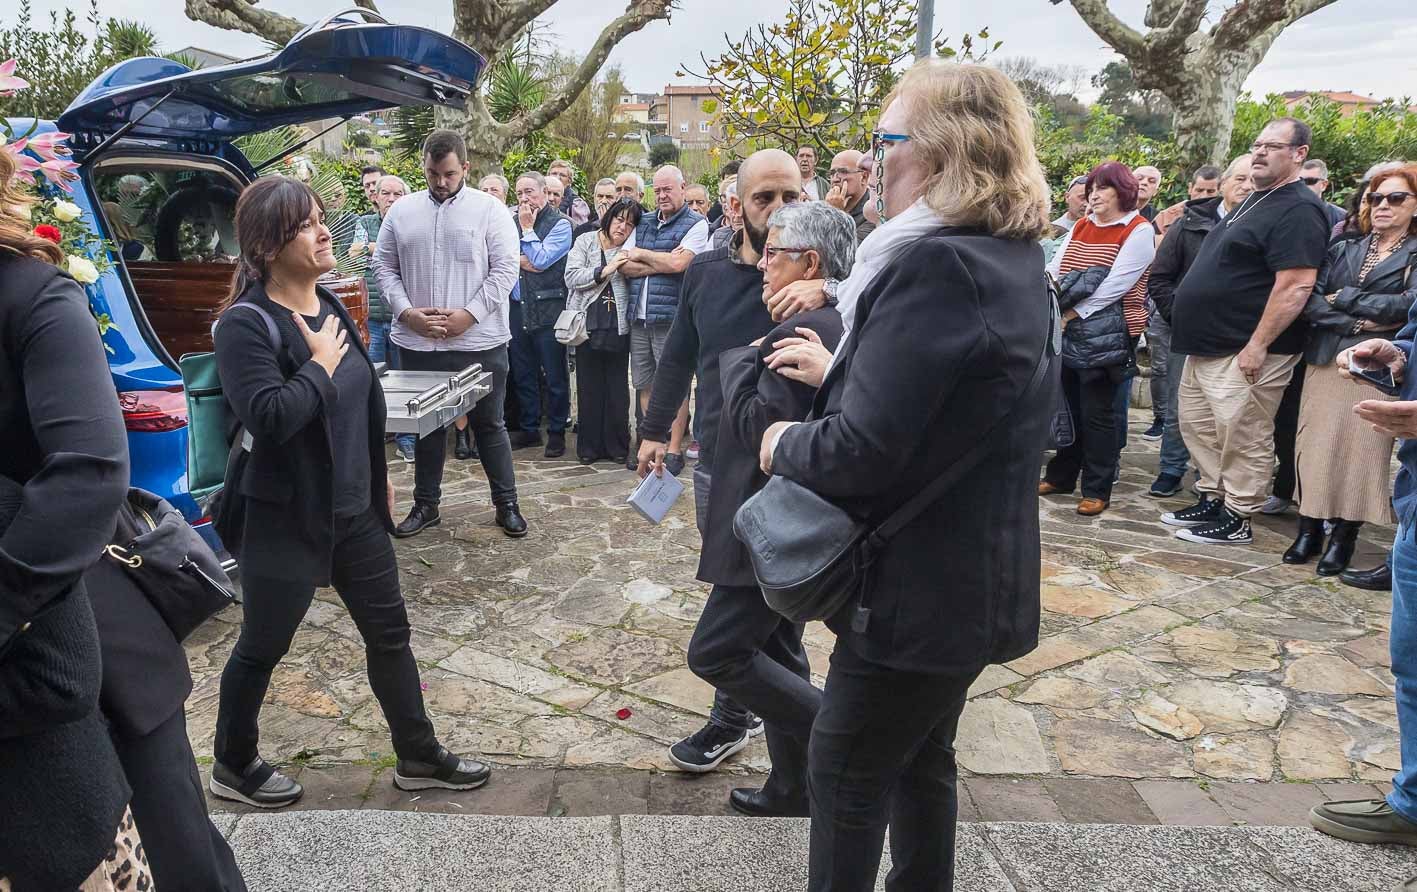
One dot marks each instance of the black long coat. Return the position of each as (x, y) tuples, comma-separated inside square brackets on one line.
[(944, 343), (277, 514)]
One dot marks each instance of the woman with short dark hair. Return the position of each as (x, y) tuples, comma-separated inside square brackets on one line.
[(307, 500), (1102, 267), (598, 289)]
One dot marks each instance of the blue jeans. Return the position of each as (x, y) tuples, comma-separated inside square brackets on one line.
[(383, 349), (545, 352), (1121, 404), (1403, 797), (1175, 457)]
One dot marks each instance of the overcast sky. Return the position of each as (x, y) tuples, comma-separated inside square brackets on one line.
[(1367, 46)]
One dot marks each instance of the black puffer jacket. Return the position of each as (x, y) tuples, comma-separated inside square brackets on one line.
[(1100, 341)]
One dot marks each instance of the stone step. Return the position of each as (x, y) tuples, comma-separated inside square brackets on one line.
[(373, 849)]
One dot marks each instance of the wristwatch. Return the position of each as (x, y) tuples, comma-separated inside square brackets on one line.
[(829, 287)]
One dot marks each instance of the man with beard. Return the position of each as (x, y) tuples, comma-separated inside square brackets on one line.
[(721, 306)]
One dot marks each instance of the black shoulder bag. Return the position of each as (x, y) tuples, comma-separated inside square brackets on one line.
[(811, 558)]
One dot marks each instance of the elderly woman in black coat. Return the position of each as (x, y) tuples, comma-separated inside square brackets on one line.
[(948, 316), (1366, 288)]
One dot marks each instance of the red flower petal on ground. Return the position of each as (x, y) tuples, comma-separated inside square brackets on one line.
[(623, 714), (51, 233)]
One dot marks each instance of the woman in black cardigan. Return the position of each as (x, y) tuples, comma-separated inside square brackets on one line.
[(63, 476), (307, 496), (948, 314)]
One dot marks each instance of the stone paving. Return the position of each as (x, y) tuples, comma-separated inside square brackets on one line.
[(1161, 662)]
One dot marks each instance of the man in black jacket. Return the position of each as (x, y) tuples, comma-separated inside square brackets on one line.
[(730, 288), (1174, 257)]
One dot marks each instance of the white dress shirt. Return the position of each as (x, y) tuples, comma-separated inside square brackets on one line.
[(458, 254), (1133, 259)]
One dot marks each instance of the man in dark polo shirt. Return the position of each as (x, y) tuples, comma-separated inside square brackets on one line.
[(1237, 317), (721, 307)]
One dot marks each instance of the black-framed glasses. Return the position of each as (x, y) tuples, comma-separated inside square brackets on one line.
[(772, 251), (1268, 147), (1311, 181), (1396, 199)]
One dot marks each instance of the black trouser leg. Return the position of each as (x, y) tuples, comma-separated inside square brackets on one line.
[(365, 575), (1094, 451), (603, 404), (184, 848), (489, 427), (883, 751), (750, 653), (1286, 431)]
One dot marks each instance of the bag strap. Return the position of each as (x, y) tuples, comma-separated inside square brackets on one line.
[(272, 333), (967, 462)]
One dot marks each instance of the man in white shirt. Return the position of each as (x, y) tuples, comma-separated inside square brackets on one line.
[(446, 261), (814, 185), (665, 245)]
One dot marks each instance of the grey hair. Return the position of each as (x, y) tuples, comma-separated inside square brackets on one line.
[(822, 228), (639, 180), (397, 179), (731, 188), (506, 186), (537, 176), (560, 162), (605, 181), (1318, 166), (678, 174), (1230, 168), (1381, 167)]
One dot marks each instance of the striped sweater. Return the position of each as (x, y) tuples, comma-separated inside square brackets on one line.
[(1093, 245)]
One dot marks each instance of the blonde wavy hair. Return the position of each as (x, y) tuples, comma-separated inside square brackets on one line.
[(16, 233), (973, 130)]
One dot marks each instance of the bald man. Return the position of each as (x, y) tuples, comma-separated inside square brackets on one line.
[(1148, 184), (747, 652), (848, 191)]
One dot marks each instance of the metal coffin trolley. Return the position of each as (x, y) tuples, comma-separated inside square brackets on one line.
[(420, 403)]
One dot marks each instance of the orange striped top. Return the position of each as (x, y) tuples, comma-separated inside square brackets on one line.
[(1093, 245)]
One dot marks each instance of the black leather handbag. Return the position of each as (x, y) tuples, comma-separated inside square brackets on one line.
[(811, 558), (169, 563)]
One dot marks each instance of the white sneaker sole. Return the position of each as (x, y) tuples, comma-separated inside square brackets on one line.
[(729, 750), (1201, 540), (222, 791), (414, 784), (1171, 521)]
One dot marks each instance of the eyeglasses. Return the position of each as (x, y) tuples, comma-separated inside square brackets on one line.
[(844, 172), (1268, 147), (1396, 199), (1312, 181), (771, 251), (880, 139)]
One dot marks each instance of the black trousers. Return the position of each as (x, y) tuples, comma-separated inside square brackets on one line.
[(1094, 453), (489, 426), (184, 848), (749, 652), (883, 752), (602, 404), (366, 577), (1286, 431)]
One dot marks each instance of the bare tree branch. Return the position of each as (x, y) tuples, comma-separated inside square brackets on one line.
[(1120, 36), (1183, 24), (637, 14), (517, 16), (1247, 19), (238, 15), (366, 4)]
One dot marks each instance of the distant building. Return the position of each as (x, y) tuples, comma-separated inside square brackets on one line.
[(206, 58), (1348, 103), (689, 125)]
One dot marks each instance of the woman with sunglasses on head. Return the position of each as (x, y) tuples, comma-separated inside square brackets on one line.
[(307, 500), (1365, 290), (947, 316)]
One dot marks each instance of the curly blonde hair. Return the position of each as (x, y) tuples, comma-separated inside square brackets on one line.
[(16, 234), (975, 134)]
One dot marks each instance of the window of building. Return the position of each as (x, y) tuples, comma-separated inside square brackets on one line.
[(703, 126), (683, 128)]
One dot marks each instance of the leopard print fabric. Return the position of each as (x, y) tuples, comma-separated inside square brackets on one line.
[(124, 869)]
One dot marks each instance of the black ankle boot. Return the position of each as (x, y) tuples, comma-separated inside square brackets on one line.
[(1341, 544), (1308, 543), (463, 448)]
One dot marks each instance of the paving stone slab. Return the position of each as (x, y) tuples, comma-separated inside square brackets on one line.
[(1115, 858), (336, 851), (1315, 861), (1181, 803)]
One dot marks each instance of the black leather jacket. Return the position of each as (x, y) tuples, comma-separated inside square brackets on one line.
[(1384, 299)]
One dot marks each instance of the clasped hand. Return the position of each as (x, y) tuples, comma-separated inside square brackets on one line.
[(436, 322)]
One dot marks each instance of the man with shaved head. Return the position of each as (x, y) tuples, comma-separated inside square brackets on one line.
[(848, 190), (665, 244), (738, 637)]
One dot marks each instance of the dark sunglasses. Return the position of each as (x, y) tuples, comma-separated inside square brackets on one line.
[(1312, 181), (1396, 199)]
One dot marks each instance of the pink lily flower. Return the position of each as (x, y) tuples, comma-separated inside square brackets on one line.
[(50, 146), (60, 172), (9, 84)]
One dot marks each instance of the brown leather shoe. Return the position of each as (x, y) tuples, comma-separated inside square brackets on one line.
[(1047, 489), (1091, 507)]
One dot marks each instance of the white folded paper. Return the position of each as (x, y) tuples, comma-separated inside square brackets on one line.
[(655, 496)]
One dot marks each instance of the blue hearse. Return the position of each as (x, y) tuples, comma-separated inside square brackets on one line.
[(159, 176)]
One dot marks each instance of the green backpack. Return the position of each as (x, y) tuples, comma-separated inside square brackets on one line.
[(209, 418)]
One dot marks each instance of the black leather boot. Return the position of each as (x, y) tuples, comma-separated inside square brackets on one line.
[(1341, 544), (463, 449), (1378, 579), (1308, 543)]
